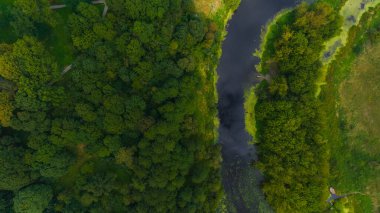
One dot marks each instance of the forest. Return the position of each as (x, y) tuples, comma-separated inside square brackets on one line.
[(131, 127), (312, 120), (290, 123), (112, 106)]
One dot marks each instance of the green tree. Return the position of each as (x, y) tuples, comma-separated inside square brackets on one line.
[(290, 128), (6, 201), (6, 109), (32, 199), (26, 14), (14, 172), (86, 112)]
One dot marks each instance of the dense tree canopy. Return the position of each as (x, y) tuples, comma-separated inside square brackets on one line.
[(34, 198), (29, 16), (130, 128), (14, 172), (292, 149)]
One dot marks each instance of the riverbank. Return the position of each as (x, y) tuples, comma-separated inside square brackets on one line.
[(293, 154), (278, 91), (235, 75), (269, 33), (351, 12)]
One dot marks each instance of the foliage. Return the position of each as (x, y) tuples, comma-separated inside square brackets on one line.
[(6, 34), (6, 201), (292, 150), (246, 196), (14, 172), (233, 4), (5, 109), (28, 14), (249, 106), (32, 199), (131, 127), (352, 149)]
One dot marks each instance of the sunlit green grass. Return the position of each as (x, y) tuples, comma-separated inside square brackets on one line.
[(249, 107), (353, 131), (59, 41), (360, 101)]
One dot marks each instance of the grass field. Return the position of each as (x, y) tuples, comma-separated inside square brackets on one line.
[(360, 101), (59, 41), (351, 100), (360, 97), (354, 135)]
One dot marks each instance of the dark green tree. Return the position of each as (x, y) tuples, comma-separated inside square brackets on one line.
[(34, 198)]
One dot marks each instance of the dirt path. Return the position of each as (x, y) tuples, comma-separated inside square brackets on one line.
[(68, 68), (105, 6), (55, 7)]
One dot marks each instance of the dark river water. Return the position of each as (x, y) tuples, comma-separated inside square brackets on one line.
[(236, 74)]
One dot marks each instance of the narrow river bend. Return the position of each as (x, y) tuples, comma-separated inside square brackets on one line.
[(236, 73)]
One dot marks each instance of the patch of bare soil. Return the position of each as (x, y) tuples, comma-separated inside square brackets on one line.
[(207, 7)]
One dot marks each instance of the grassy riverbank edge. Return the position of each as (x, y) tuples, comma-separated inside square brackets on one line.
[(268, 33), (350, 9), (266, 49)]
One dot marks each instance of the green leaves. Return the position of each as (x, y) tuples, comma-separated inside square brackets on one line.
[(6, 109), (32, 199), (86, 112), (130, 127), (144, 31), (291, 147), (28, 13), (14, 172), (29, 65), (114, 104), (113, 123)]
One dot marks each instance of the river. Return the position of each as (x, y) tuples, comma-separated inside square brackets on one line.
[(237, 73)]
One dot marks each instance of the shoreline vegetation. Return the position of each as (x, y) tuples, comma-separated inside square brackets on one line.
[(351, 12), (249, 107), (292, 152), (132, 127), (268, 33), (350, 150), (297, 151)]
